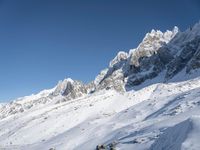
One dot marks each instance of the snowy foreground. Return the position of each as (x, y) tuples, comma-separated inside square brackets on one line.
[(160, 116)]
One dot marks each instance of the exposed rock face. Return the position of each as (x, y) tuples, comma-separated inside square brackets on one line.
[(90, 87), (189, 53), (195, 61), (149, 68), (113, 81), (121, 56), (70, 89), (100, 77), (151, 44)]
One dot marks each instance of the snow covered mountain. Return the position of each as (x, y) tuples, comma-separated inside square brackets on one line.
[(169, 52), (148, 98)]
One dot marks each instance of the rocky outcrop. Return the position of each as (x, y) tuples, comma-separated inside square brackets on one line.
[(195, 61), (186, 55), (70, 89)]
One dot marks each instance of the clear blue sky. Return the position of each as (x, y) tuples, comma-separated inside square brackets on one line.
[(43, 41)]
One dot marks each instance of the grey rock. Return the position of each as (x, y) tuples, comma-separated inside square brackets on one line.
[(185, 59)]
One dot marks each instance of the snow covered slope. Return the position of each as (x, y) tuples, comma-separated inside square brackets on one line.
[(148, 98), (160, 113)]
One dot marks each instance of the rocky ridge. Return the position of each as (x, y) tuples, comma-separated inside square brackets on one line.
[(166, 53)]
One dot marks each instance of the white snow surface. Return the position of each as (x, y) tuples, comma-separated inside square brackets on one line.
[(162, 115)]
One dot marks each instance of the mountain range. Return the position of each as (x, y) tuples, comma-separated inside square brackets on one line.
[(147, 98)]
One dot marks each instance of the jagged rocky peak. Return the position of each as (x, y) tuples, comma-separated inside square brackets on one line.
[(183, 38), (136, 66), (112, 77), (100, 77), (62, 85), (121, 56), (151, 44), (70, 88)]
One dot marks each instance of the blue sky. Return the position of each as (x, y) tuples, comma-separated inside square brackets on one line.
[(43, 41)]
